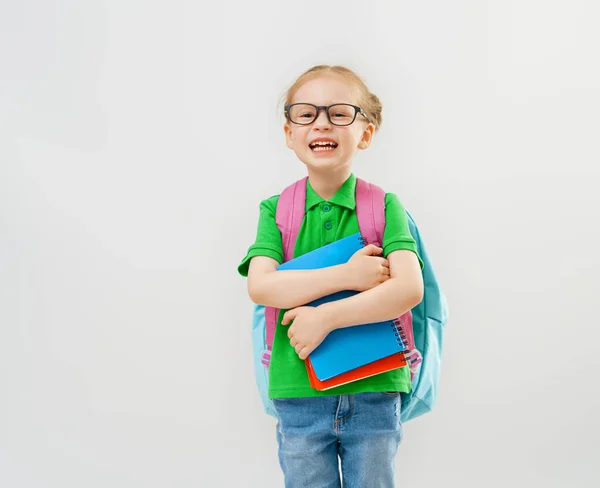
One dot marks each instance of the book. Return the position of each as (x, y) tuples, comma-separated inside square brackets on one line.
[(384, 365), (348, 348), (338, 252)]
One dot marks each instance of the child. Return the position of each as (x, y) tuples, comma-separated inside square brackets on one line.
[(330, 114)]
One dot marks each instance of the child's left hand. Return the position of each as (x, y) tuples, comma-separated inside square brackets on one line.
[(309, 329)]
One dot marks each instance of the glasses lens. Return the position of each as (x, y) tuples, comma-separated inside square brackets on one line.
[(341, 114), (302, 113)]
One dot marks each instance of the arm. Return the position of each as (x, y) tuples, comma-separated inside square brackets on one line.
[(387, 301), (292, 288)]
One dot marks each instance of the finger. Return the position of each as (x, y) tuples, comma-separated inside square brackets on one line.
[(289, 316), (293, 342), (370, 250), (304, 352), (383, 278), (290, 332), (385, 271), (298, 348), (385, 262)]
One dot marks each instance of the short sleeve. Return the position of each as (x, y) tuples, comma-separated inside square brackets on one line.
[(396, 235), (268, 237)]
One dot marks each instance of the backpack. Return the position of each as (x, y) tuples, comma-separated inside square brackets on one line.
[(423, 325)]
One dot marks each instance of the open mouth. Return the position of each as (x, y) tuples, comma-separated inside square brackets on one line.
[(323, 146)]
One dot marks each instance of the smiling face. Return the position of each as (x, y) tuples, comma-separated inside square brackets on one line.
[(321, 145)]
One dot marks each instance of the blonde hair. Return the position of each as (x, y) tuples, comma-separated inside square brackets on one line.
[(368, 101)]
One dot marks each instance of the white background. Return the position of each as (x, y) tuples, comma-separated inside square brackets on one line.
[(130, 186)]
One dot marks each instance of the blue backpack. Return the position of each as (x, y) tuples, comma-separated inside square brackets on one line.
[(428, 317)]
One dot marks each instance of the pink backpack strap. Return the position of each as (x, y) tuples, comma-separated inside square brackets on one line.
[(291, 208), (370, 211)]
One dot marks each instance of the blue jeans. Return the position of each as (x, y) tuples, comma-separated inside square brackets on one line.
[(362, 430)]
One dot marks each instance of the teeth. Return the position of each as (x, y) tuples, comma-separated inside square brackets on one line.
[(322, 144)]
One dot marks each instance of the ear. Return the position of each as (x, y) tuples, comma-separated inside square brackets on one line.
[(288, 135), (367, 137)]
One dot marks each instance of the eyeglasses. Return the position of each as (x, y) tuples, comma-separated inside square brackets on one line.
[(341, 114)]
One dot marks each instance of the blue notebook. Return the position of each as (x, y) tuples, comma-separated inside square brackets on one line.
[(338, 252), (351, 347)]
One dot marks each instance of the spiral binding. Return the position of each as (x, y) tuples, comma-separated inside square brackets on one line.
[(412, 357), (399, 332), (363, 241)]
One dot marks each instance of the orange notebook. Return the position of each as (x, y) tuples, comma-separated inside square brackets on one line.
[(383, 365)]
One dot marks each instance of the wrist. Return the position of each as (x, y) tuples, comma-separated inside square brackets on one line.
[(346, 277), (329, 316)]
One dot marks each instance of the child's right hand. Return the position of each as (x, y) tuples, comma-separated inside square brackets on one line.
[(366, 269)]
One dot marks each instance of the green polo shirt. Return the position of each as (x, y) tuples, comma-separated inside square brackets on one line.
[(325, 222)]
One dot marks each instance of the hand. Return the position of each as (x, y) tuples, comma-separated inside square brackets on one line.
[(366, 269), (309, 328)]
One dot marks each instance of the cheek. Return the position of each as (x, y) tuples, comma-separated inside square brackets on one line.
[(350, 141), (298, 138)]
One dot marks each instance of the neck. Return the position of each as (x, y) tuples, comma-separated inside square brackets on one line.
[(327, 183)]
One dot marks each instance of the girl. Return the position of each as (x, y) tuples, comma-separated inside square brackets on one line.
[(330, 114)]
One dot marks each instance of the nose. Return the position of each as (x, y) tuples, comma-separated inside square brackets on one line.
[(322, 122)]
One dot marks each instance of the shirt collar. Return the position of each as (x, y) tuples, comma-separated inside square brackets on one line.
[(344, 197)]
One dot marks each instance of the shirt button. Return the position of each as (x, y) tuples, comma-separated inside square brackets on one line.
[(326, 208), (328, 225)]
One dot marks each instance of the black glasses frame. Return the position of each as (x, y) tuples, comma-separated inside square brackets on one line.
[(357, 110)]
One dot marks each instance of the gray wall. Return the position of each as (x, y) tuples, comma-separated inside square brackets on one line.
[(129, 192)]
